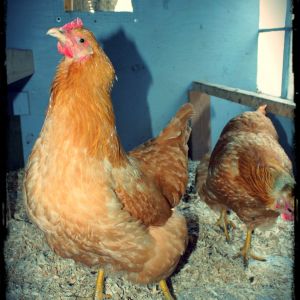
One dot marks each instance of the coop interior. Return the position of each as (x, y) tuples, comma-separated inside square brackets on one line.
[(223, 57)]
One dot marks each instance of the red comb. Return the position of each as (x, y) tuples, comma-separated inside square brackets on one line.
[(77, 23)]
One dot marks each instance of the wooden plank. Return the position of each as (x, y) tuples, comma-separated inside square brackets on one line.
[(279, 106), (19, 64), (200, 139), (68, 5)]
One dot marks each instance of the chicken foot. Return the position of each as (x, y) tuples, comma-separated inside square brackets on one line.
[(224, 223), (165, 290), (99, 295), (245, 250)]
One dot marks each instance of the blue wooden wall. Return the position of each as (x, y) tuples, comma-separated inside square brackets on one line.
[(157, 51)]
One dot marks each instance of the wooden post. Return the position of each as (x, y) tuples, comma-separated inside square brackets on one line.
[(200, 140)]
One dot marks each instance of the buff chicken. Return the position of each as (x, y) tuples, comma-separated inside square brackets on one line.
[(95, 203), (249, 173)]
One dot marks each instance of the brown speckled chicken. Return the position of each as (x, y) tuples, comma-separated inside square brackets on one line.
[(248, 172), (95, 203)]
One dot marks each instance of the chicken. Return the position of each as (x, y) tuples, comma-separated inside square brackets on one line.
[(95, 203), (249, 173)]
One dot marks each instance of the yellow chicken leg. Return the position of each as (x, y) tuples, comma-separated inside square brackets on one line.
[(223, 222), (245, 250), (99, 293), (165, 290)]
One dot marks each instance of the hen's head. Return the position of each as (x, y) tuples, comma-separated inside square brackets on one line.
[(74, 41), (283, 192)]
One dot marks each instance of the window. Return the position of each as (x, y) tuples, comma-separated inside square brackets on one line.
[(274, 63), (98, 5)]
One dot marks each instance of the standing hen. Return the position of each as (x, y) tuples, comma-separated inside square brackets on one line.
[(248, 172), (95, 203)]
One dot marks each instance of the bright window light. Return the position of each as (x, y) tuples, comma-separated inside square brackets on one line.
[(98, 5), (272, 13), (124, 5), (274, 58), (270, 62)]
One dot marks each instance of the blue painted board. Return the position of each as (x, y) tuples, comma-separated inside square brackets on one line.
[(158, 51)]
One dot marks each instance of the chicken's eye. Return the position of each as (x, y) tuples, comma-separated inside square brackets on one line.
[(81, 40)]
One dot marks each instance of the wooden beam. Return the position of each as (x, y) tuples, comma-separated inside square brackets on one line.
[(279, 106), (200, 139), (19, 64)]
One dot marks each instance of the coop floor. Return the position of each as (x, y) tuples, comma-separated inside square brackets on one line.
[(206, 271)]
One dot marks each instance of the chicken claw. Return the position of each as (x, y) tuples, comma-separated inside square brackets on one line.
[(224, 223), (245, 250), (165, 290)]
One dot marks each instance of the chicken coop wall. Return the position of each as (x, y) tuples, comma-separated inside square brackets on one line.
[(158, 51)]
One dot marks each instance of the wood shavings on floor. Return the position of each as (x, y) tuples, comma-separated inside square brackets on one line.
[(208, 270)]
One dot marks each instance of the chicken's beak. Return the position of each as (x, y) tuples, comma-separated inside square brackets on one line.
[(58, 33)]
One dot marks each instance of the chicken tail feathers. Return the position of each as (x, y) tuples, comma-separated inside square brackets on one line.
[(173, 140), (168, 153), (178, 125), (262, 109)]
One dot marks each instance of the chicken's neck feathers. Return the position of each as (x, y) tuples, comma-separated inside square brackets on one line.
[(283, 181), (81, 106)]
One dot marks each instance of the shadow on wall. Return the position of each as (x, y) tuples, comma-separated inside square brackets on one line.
[(15, 156), (130, 91), (283, 140), (15, 88)]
